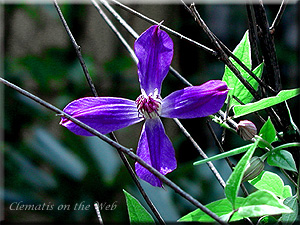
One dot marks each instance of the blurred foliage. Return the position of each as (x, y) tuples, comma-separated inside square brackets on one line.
[(46, 163)]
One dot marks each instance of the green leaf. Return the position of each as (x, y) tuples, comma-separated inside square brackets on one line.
[(241, 110), (137, 213), (269, 181), (235, 179), (243, 93), (221, 208), (224, 155), (243, 53), (267, 132), (291, 202), (261, 203), (282, 159), (287, 191), (258, 72)]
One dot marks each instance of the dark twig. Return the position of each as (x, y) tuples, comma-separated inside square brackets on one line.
[(278, 16), (253, 35), (138, 184), (125, 150), (268, 48), (115, 30), (201, 152), (131, 31), (77, 49), (230, 164), (193, 11)]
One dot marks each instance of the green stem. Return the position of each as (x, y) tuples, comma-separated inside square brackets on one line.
[(288, 145), (222, 123), (225, 154)]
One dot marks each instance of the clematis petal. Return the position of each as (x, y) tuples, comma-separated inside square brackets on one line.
[(154, 50), (156, 149), (105, 114), (196, 101)]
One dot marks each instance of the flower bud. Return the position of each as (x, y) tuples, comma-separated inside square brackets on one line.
[(254, 168), (246, 129)]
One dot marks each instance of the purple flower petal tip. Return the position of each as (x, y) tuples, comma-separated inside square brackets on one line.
[(196, 101), (154, 50), (156, 149), (104, 114)]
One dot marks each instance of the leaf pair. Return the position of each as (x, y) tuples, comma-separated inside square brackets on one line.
[(276, 156)]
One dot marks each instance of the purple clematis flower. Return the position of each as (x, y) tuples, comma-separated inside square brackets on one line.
[(154, 50)]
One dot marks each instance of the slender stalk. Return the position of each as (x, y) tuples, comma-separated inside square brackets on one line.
[(112, 135), (138, 184), (278, 16), (288, 145), (201, 152), (238, 61), (125, 150), (230, 164), (96, 206), (131, 31), (115, 30), (232, 122), (289, 177), (77, 49), (298, 185)]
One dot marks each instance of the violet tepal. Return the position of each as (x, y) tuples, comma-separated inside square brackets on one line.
[(154, 50)]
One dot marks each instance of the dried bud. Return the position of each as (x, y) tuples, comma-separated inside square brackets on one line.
[(246, 129), (254, 168)]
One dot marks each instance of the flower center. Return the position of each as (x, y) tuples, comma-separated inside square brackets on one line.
[(149, 106)]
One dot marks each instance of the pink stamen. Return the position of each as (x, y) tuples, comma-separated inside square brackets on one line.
[(148, 106)]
